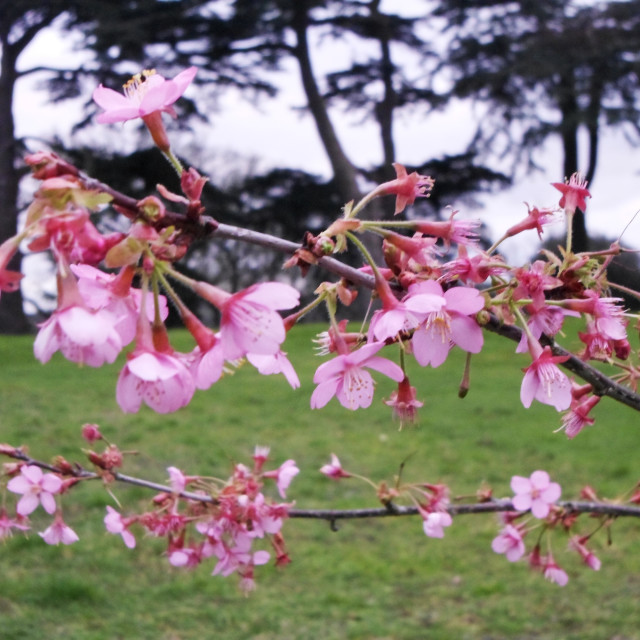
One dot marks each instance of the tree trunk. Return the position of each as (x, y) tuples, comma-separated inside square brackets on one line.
[(569, 132), (12, 317)]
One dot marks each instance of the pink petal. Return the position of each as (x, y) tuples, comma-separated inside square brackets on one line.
[(48, 502), (324, 392), (466, 333), (273, 295), (540, 479), (27, 504), (356, 389), (529, 388), (464, 300), (51, 483), (429, 347), (386, 367), (127, 395), (520, 484), (109, 99)]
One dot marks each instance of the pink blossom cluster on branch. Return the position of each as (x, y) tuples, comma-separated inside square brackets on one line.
[(436, 291)]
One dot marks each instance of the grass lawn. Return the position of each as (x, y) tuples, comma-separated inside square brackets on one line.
[(371, 579)]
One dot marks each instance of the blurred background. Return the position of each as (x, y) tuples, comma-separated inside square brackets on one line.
[(300, 106)]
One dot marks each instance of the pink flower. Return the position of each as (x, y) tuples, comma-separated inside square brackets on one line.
[(91, 432), (115, 523), (544, 381), (7, 524), (509, 542), (451, 324), (177, 479), (553, 572), (144, 94), (458, 231), (536, 493), (406, 187), (334, 469), (161, 380), (577, 418), (590, 559), (59, 532), (345, 377), (434, 523), (574, 193), (250, 322), (36, 488), (536, 219), (81, 335), (404, 403), (275, 363), (283, 475)]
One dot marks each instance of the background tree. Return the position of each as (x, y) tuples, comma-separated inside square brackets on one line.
[(545, 68)]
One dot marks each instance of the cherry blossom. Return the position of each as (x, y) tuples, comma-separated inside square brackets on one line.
[(553, 572), (115, 523), (275, 363), (283, 475), (7, 524), (345, 377), (451, 324), (406, 187), (404, 403), (509, 542), (36, 488), (144, 94), (574, 193), (590, 559), (334, 470), (160, 380), (434, 523), (536, 493), (544, 381), (58, 532)]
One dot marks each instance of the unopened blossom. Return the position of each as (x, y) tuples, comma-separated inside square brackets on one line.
[(115, 523), (574, 193), (346, 378), (58, 532), (36, 488), (509, 541), (334, 469), (451, 324), (536, 493), (283, 475), (146, 93), (406, 187), (589, 558), (91, 432), (544, 381), (9, 280)]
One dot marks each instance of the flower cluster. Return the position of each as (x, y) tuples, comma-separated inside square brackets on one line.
[(221, 521)]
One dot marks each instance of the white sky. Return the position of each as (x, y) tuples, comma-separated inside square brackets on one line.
[(276, 134)]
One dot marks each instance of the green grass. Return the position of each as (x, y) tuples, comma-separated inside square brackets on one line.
[(372, 578)]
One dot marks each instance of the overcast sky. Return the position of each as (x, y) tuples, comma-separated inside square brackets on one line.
[(277, 134)]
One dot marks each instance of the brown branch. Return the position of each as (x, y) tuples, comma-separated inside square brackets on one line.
[(331, 515), (207, 227)]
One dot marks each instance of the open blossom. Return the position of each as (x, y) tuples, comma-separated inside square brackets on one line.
[(509, 541), (544, 381), (334, 469), (7, 524), (144, 94), (577, 418), (345, 377), (283, 475), (451, 324), (160, 380), (115, 523), (536, 219), (458, 231), (553, 572), (81, 335), (574, 193), (406, 187), (404, 403), (536, 493), (250, 322), (434, 523), (36, 488), (58, 532), (275, 363)]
